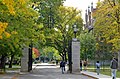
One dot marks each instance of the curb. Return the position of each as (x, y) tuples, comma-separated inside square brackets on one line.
[(90, 76)]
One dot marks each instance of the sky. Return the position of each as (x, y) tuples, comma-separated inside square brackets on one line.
[(80, 4)]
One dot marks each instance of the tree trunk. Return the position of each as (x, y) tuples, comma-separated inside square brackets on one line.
[(11, 60), (64, 48), (64, 51), (119, 60), (3, 62), (65, 57)]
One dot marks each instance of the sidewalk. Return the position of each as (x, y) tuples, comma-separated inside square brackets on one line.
[(44, 64), (94, 75), (42, 71), (50, 71)]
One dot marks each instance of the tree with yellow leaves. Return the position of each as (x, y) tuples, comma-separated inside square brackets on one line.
[(107, 26), (17, 20), (2, 28), (8, 6)]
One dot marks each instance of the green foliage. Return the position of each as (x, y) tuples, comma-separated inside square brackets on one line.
[(87, 46), (35, 21), (68, 16), (20, 26), (107, 26), (55, 19), (51, 53)]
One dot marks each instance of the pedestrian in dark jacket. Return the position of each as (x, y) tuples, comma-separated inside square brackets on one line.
[(80, 65), (113, 66), (62, 66)]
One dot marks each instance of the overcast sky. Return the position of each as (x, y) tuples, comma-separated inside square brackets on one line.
[(81, 4)]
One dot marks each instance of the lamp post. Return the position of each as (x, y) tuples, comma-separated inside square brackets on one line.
[(70, 48), (75, 30), (30, 57), (75, 52)]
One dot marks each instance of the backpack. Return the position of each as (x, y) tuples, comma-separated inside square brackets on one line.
[(98, 65), (62, 64)]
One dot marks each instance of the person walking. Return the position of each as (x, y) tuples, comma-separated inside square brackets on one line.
[(62, 66), (85, 65), (113, 66), (97, 67), (80, 65)]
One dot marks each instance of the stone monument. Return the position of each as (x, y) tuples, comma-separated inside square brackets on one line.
[(75, 56), (119, 60), (24, 60)]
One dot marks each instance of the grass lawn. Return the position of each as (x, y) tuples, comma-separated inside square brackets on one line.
[(14, 67), (108, 72)]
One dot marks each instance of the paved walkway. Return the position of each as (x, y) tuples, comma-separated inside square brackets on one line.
[(50, 71), (42, 71)]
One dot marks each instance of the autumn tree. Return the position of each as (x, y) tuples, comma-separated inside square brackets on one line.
[(20, 19), (107, 25)]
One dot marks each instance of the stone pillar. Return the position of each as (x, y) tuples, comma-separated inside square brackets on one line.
[(119, 60), (24, 60), (75, 56)]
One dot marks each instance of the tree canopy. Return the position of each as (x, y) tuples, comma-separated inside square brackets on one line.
[(107, 24)]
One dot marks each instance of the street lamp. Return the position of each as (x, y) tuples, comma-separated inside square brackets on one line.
[(75, 30)]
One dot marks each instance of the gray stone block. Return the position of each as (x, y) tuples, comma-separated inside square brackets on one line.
[(75, 56)]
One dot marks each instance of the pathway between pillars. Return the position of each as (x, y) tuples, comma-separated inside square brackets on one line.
[(44, 71)]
